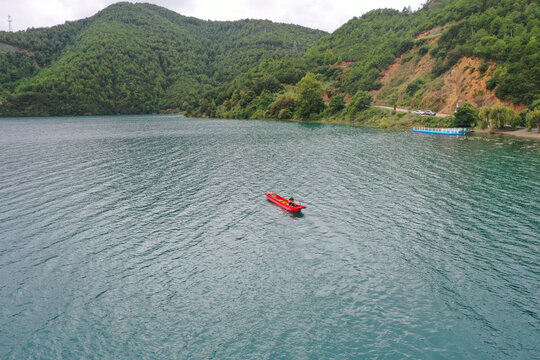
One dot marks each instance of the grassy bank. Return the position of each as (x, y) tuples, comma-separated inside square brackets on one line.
[(387, 119)]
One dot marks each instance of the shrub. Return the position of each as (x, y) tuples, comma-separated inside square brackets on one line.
[(406, 59), (414, 86), (423, 50), (483, 68), (421, 42), (492, 83), (438, 52), (283, 103), (284, 114), (405, 46), (441, 67), (337, 103)]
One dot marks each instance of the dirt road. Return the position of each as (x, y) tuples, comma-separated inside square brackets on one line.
[(406, 110)]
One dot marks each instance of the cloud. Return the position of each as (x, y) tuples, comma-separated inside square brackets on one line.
[(36, 13), (320, 14)]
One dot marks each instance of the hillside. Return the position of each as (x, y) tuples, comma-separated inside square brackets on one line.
[(484, 52), (134, 58), (142, 58)]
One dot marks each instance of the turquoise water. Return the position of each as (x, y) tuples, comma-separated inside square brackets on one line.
[(150, 237)]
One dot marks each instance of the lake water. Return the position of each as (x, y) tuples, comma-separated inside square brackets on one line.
[(150, 237)]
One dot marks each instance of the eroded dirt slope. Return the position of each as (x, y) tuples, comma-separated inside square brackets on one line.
[(462, 83)]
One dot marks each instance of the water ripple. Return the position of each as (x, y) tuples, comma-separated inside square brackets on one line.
[(141, 237)]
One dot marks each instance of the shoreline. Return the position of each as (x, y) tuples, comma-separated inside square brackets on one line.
[(383, 117), (519, 133)]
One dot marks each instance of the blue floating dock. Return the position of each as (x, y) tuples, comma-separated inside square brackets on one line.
[(446, 131)]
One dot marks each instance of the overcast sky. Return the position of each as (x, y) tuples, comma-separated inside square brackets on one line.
[(319, 14)]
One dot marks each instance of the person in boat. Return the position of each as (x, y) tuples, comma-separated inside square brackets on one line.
[(291, 201)]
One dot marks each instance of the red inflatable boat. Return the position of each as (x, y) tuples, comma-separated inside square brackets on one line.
[(284, 203)]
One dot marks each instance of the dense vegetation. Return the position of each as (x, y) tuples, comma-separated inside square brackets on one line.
[(352, 59), (141, 58), (134, 58), (505, 31)]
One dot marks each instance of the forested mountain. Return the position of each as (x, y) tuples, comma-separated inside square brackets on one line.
[(141, 58), (481, 51), (134, 58)]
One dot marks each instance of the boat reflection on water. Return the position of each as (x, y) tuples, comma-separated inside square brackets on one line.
[(294, 214)]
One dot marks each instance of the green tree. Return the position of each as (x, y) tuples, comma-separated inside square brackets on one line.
[(533, 119), (329, 57), (309, 99), (502, 116), (496, 117), (360, 101), (466, 116), (484, 115), (535, 105)]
